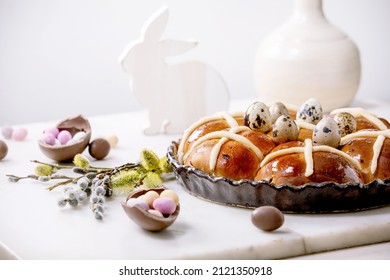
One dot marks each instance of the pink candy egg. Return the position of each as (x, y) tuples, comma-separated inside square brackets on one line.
[(71, 142), (52, 130), (165, 205), (19, 134), (64, 136), (48, 138)]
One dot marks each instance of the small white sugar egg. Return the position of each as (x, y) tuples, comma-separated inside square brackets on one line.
[(79, 135)]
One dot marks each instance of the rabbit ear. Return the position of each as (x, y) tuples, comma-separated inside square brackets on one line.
[(173, 47), (155, 26)]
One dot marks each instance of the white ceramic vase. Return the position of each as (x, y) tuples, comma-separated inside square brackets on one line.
[(308, 57)]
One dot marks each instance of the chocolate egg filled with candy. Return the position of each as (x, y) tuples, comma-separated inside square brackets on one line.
[(65, 151), (148, 219)]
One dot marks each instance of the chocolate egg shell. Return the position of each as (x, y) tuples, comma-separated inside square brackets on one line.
[(67, 152), (143, 218)]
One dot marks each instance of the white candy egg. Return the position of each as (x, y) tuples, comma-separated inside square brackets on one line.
[(310, 111), (276, 110), (346, 122), (284, 129), (257, 117), (327, 132), (79, 136)]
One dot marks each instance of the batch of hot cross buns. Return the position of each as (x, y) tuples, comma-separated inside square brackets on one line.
[(285, 145)]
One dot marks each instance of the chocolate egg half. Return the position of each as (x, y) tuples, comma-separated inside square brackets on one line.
[(145, 219), (64, 153)]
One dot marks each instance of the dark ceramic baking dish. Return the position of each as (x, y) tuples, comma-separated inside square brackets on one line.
[(325, 197)]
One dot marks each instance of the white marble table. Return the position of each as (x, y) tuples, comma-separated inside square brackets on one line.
[(33, 227)]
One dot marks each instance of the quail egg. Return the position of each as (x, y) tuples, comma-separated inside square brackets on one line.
[(284, 129), (346, 122), (310, 111), (257, 117), (327, 132), (276, 110)]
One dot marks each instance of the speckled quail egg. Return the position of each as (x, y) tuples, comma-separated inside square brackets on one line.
[(327, 132), (257, 117), (346, 122), (284, 129), (276, 110), (310, 111)]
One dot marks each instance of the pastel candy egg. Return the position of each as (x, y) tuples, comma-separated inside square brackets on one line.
[(346, 122), (70, 142), (165, 205), (150, 197), (7, 132), (19, 134), (310, 111), (276, 110), (171, 194), (52, 130), (48, 138), (327, 132), (64, 136), (156, 213), (112, 140), (135, 201), (257, 117), (79, 136), (267, 218)]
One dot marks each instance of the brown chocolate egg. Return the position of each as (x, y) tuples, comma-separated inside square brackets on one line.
[(3, 149), (99, 148), (267, 218), (67, 152), (146, 219)]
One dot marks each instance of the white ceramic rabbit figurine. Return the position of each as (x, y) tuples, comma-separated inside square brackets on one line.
[(176, 94)]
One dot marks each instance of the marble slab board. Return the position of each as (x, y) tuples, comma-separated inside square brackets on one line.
[(33, 227)]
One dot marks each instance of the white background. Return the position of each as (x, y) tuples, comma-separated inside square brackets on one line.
[(59, 58)]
